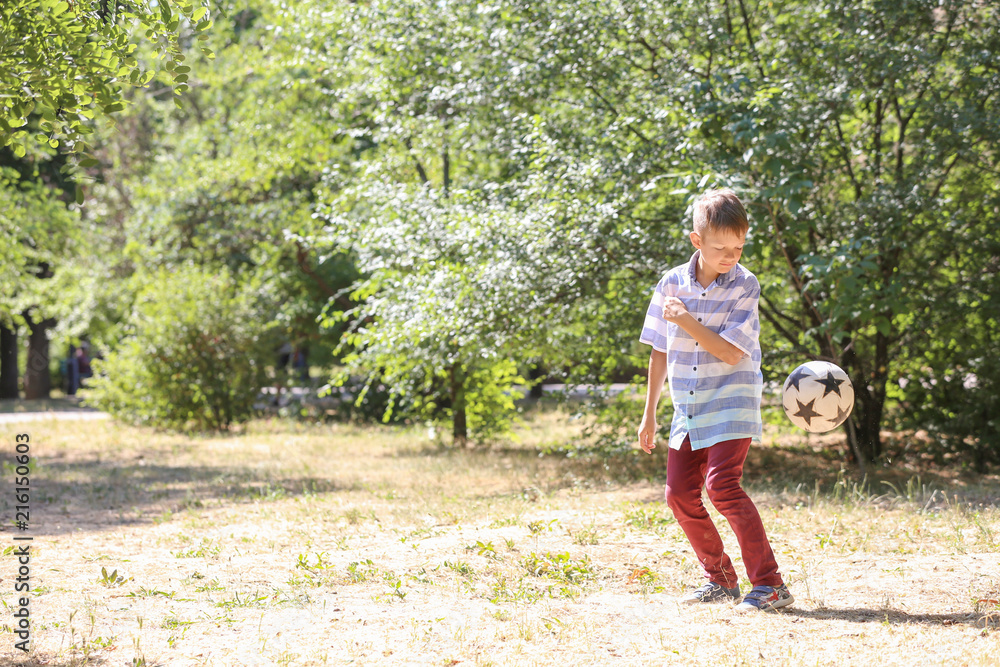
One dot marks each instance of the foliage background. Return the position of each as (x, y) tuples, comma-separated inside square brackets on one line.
[(448, 200)]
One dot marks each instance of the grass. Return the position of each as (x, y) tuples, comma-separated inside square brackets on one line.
[(298, 544)]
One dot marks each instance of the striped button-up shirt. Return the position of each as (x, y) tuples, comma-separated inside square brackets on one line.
[(713, 401)]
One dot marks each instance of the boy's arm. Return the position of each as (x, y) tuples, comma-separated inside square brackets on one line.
[(675, 311), (656, 377)]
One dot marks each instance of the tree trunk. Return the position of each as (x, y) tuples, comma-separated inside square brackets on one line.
[(869, 407), (867, 425), (459, 428), (869, 399), (8, 364), (536, 375), (37, 380)]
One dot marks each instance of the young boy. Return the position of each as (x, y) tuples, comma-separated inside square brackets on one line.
[(702, 324)]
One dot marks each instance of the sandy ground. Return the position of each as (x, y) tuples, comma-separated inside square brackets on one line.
[(360, 549)]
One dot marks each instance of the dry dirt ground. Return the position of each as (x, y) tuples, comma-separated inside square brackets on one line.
[(332, 545)]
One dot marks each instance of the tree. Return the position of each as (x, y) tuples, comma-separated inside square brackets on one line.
[(487, 235), (65, 62), (9, 370), (511, 180), (230, 178), (859, 134), (948, 374), (62, 64), (39, 229), (460, 293), (864, 151), (225, 183)]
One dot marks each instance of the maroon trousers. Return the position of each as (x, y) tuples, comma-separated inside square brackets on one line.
[(719, 468)]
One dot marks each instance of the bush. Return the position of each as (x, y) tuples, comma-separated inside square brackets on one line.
[(364, 401), (489, 400), (194, 359), (612, 431), (489, 394), (959, 407)]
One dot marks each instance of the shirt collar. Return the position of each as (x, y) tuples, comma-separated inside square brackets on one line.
[(721, 280)]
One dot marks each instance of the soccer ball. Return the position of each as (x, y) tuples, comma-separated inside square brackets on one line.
[(818, 396)]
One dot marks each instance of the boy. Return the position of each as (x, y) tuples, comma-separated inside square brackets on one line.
[(702, 324)]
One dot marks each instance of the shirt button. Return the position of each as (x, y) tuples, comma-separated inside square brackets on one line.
[(692, 393), (699, 319), (695, 368), (703, 294)]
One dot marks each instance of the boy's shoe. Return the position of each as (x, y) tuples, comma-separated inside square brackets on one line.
[(711, 592), (766, 598)]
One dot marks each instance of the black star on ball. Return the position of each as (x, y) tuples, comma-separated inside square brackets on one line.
[(842, 415), (798, 376), (830, 384), (806, 411)]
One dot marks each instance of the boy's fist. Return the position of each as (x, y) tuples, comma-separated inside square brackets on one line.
[(647, 435), (673, 308)]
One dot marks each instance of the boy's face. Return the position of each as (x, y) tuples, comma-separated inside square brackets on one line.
[(719, 251)]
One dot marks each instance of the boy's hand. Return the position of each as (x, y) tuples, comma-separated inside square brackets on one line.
[(673, 308), (647, 435)]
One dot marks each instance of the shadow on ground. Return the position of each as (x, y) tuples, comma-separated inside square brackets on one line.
[(70, 495), (44, 660), (787, 476), (109, 492), (54, 405), (894, 617)]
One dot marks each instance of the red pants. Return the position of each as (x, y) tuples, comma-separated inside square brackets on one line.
[(719, 469)]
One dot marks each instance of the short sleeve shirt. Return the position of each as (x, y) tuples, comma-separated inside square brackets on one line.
[(713, 401)]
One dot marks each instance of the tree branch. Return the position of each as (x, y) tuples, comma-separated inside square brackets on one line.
[(877, 138), (611, 107), (771, 315), (420, 168), (842, 146), (753, 48), (302, 259), (811, 310)]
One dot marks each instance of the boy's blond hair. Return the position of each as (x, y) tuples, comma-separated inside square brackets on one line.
[(720, 211)]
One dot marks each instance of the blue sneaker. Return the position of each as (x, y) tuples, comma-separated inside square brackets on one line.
[(766, 598), (711, 592)]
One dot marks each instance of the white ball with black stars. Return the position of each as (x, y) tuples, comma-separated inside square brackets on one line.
[(818, 396)]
